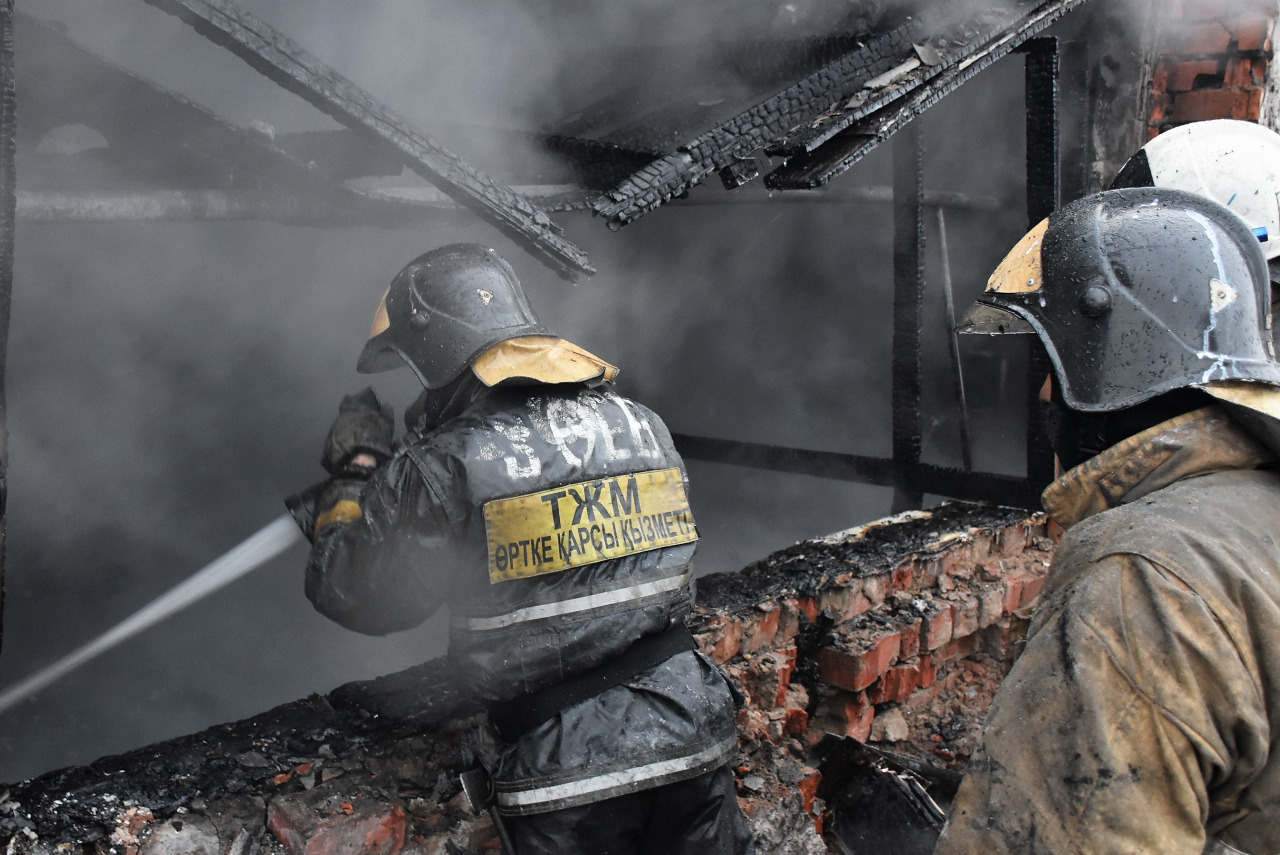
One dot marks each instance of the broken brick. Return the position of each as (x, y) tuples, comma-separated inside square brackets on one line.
[(857, 666), (845, 713), (845, 604), (722, 640), (1003, 640), (1012, 541), (808, 787), (957, 648), (982, 547), (795, 721), (903, 576), (788, 623), (964, 618), (937, 629), (990, 606), (809, 606), (1253, 35), (909, 639), (1030, 591), (760, 629), (1217, 104), (1240, 73), (317, 822), (896, 685), (768, 677), (926, 671), (875, 588), (1182, 76)]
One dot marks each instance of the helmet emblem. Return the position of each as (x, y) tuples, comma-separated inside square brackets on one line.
[(1221, 295)]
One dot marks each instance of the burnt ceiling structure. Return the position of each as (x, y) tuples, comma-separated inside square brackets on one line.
[(793, 113)]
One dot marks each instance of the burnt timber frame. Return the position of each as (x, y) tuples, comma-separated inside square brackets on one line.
[(910, 478), (289, 66), (815, 157), (8, 217)]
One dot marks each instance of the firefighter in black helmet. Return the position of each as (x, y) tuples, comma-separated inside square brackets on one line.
[(551, 515), (1142, 714)]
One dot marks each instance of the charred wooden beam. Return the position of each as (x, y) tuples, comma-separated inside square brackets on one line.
[(154, 136), (754, 129), (182, 206), (294, 69), (392, 207), (8, 187), (363, 209), (1004, 490), (908, 315), (842, 151), (597, 165), (1044, 191)]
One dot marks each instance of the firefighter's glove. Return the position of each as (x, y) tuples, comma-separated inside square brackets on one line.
[(302, 507), (364, 425)]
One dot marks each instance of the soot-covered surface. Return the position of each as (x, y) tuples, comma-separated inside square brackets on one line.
[(317, 733), (808, 567)]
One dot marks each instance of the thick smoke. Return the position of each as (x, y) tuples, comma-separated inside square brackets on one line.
[(170, 383)]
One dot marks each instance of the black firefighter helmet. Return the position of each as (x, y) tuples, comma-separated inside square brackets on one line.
[(462, 306), (1139, 292)]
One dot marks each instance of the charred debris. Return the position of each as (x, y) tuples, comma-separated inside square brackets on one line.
[(844, 744)]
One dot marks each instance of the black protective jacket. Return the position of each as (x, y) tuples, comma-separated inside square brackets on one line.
[(553, 520)]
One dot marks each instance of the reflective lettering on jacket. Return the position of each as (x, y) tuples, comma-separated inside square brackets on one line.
[(586, 522)]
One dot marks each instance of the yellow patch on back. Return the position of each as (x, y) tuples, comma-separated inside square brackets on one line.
[(554, 530)]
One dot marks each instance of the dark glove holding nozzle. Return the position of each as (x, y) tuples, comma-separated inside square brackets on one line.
[(364, 425)]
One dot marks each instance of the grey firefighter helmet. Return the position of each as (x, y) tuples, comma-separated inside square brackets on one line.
[(445, 308), (1138, 292), (462, 306)]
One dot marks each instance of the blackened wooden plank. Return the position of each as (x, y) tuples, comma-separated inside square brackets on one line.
[(289, 66)]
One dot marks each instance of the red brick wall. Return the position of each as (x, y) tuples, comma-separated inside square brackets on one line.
[(897, 632), (1212, 62), (906, 651)]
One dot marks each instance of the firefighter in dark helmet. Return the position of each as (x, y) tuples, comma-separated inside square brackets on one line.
[(551, 515), (1142, 714)]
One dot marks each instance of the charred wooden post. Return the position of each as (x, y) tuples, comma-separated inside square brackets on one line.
[(940, 480), (1044, 183), (953, 343), (289, 66), (908, 314), (8, 203)]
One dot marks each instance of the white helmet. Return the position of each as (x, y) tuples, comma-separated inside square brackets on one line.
[(1234, 163)]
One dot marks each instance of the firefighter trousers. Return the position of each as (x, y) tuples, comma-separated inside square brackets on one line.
[(699, 816)]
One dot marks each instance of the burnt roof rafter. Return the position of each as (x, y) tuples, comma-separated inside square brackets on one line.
[(859, 133), (291, 67), (824, 123), (150, 131)]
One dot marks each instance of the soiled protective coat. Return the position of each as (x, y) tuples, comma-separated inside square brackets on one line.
[(418, 539), (1139, 717)]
